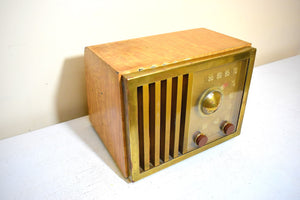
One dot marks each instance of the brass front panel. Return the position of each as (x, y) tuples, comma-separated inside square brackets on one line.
[(163, 108), (228, 80)]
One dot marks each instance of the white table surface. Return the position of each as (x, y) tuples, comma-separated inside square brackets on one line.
[(69, 161)]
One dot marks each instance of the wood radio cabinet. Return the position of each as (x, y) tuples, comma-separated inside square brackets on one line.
[(157, 100)]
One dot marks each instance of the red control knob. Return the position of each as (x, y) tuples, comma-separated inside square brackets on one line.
[(228, 128), (201, 140)]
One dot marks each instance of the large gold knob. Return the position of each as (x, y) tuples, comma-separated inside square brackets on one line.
[(210, 101)]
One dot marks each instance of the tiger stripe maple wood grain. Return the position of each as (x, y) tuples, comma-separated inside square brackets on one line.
[(165, 48)]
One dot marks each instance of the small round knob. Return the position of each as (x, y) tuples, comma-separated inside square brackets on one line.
[(228, 128), (201, 139), (211, 101)]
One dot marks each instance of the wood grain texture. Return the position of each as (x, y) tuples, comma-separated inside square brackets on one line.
[(104, 96), (144, 52)]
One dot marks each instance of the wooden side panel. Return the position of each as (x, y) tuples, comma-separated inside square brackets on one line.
[(104, 97)]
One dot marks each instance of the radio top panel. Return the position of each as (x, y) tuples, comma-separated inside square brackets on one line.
[(159, 50)]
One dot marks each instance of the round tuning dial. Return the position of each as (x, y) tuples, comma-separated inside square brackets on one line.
[(210, 101), (201, 139), (228, 128)]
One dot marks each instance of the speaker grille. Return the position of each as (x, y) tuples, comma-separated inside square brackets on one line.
[(161, 120)]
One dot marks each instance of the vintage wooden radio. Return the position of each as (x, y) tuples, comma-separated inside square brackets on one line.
[(157, 100)]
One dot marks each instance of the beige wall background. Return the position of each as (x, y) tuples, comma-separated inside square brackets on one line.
[(42, 43)]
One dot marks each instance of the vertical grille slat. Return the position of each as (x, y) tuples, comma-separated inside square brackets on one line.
[(146, 126), (165, 144), (176, 115), (161, 120), (154, 111), (143, 126), (163, 97), (157, 123), (185, 108), (140, 125)]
